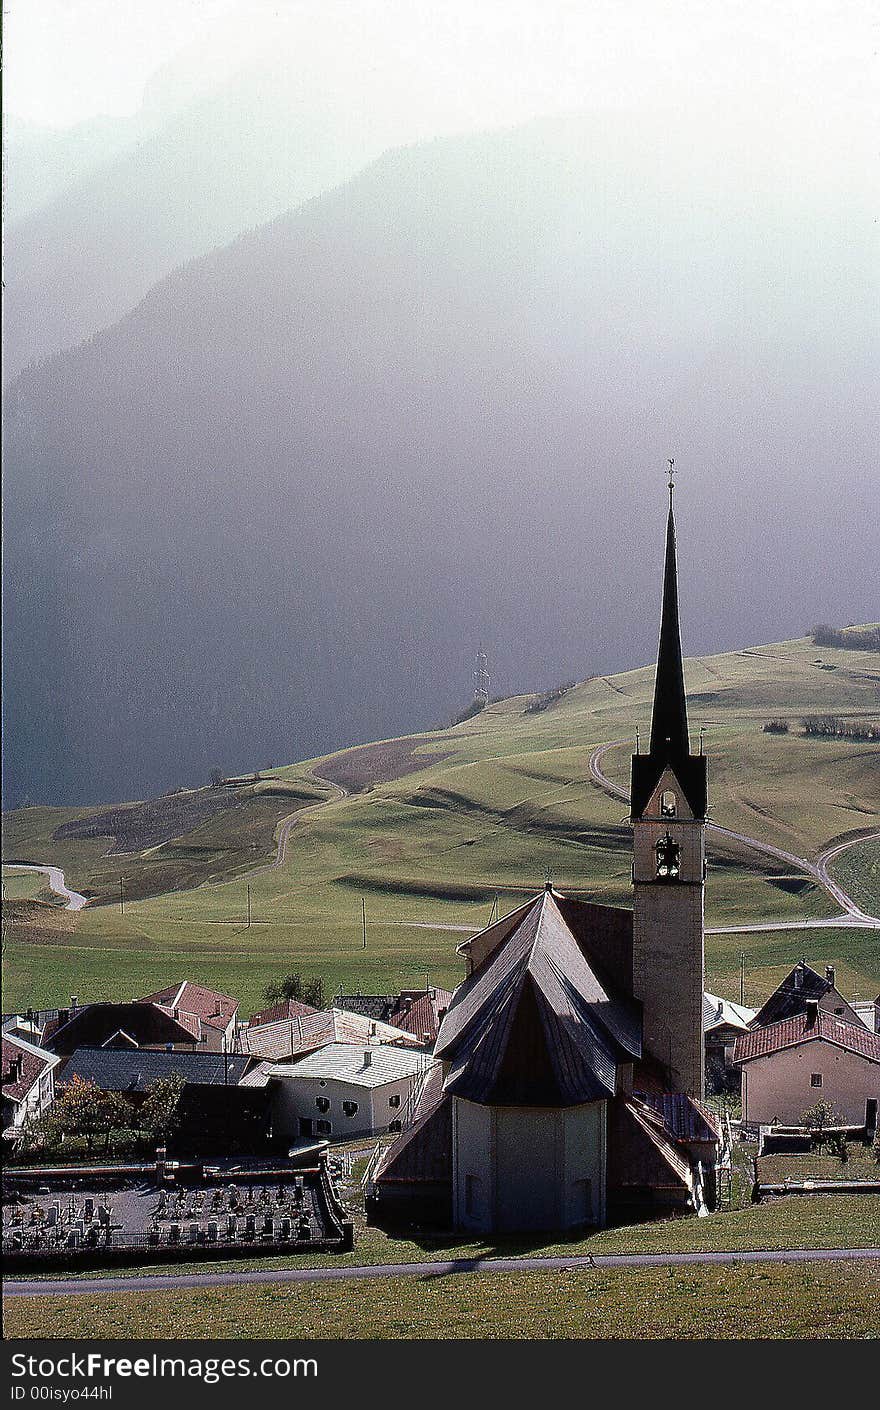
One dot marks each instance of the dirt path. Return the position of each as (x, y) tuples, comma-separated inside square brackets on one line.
[(287, 825)]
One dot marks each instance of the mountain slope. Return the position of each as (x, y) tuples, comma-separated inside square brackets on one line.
[(439, 826), (278, 505)]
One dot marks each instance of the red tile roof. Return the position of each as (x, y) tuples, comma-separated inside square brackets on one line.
[(33, 1065), (207, 1004), (278, 1013), (421, 1014), (801, 1028)]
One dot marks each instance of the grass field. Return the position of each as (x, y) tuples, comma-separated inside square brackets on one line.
[(821, 1301), (497, 802)]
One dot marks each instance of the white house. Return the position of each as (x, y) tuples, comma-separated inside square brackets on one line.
[(342, 1091), (28, 1082)]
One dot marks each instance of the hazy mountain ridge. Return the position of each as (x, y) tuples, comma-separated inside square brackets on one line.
[(276, 506)]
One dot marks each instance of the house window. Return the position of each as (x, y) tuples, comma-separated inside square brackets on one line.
[(394, 1126), (668, 858), (323, 1127), (349, 1108), (395, 1100), (667, 804), (815, 1079), (322, 1103)]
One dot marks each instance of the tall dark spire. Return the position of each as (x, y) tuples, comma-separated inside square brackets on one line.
[(670, 742), (669, 726)]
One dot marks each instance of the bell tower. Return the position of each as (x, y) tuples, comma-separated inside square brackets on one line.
[(668, 803)]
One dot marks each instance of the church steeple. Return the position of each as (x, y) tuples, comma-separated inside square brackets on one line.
[(670, 742), (669, 726)]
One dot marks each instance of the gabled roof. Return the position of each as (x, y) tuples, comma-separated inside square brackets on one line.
[(534, 1024), (722, 1013), (90, 1025), (344, 1062), (27, 1062), (277, 1013), (290, 1037), (422, 1014), (791, 995), (804, 1028), (125, 1070), (211, 1007)]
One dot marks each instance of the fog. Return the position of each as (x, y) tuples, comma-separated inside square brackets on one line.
[(372, 326)]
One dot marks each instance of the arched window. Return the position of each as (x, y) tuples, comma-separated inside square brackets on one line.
[(668, 858), (349, 1108), (322, 1103), (668, 804)]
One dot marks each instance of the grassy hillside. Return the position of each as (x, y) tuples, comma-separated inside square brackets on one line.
[(439, 825)]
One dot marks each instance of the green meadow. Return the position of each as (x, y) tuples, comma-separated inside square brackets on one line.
[(486, 811)]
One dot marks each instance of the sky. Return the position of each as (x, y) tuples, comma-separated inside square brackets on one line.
[(71, 60)]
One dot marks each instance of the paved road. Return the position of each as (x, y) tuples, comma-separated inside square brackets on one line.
[(75, 901), (158, 1282), (853, 914)]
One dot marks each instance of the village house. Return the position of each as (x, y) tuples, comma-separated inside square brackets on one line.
[(723, 1022), (573, 1052), (216, 1013), (790, 1065), (28, 1083), (342, 1090), (284, 1039), (802, 986)]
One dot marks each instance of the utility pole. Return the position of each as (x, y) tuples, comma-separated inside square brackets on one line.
[(742, 976), (364, 918), (248, 905), (122, 895), (481, 678)]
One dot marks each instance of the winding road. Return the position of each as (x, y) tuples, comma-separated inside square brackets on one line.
[(287, 825), (160, 1282), (75, 901), (852, 915)]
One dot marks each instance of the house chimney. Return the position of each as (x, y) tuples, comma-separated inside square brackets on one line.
[(368, 1058), (812, 1012), (74, 1003), (829, 974), (799, 975)]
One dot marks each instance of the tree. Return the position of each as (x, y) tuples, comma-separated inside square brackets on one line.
[(84, 1109), (293, 986), (817, 1119), (216, 778), (158, 1116)]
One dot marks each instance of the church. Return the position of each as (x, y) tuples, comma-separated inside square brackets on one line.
[(571, 1075)]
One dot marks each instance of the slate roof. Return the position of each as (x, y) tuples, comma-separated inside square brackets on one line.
[(211, 1007), (376, 1006), (125, 1070), (534, 1024), (91, 1025), (670, 744), (802, 1028), (34, 1062)]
